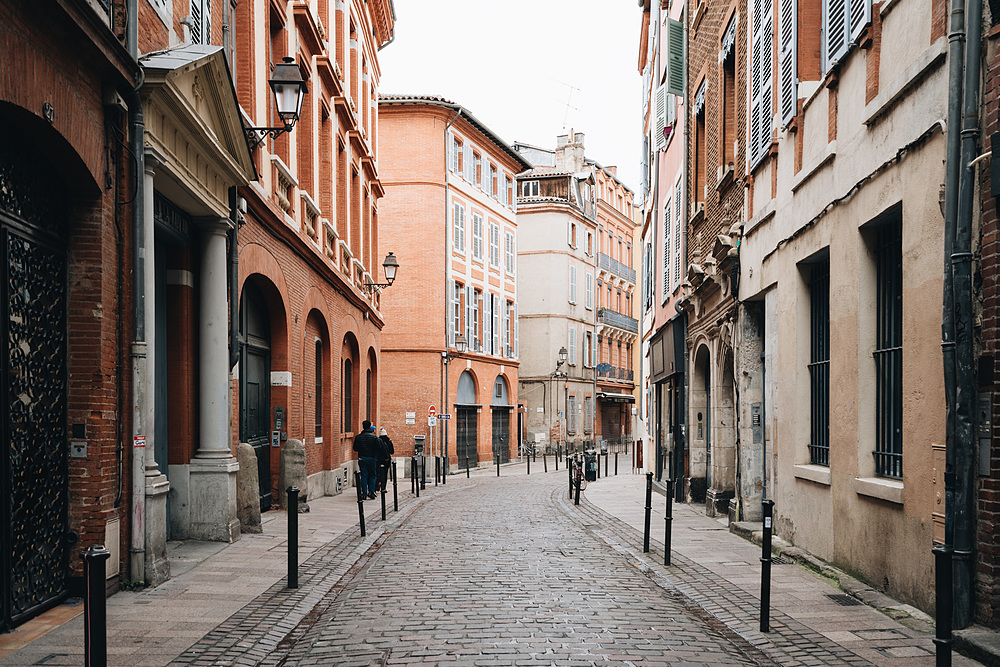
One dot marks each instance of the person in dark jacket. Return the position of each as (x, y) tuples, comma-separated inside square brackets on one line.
[(368, 447), (386, 460)]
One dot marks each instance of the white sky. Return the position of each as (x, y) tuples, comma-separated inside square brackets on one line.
[(529, 69)]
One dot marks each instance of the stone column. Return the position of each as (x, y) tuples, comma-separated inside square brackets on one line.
[(156, 569), (213, 468)]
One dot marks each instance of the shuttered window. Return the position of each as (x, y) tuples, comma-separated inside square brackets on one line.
[(495, 313), (572, 284), (201, 21), (787, 73), (675, 57), (678, 223), (571, 347), (843, 21), (667, 219), (477, 236), (761, 80), (458, 216)]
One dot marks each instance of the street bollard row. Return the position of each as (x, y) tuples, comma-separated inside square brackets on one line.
[(765, 569), (95, 610)]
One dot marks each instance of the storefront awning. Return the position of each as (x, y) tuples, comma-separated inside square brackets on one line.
[(615, 398)]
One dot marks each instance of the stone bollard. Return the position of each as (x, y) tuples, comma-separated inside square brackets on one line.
[(247, 489), (293, 473)]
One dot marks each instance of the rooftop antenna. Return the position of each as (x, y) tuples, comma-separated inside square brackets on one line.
[(569, 98)]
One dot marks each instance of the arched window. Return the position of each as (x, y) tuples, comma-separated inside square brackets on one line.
[(347, 382)]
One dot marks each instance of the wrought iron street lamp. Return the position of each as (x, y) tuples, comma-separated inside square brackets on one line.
[(289, 89), (390, 265)]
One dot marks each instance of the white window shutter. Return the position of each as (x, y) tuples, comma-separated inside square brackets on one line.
[(517, 349), (590, 290), (451, 152), (678, 226), (659, 141), (667, 218), (571, 357), (787, 73), (496, 324), (502, 185), (835, 24), (861, 16), (761, 81), (505, 338), (572, 284), (451, 315), (675, 57), (469, 329)]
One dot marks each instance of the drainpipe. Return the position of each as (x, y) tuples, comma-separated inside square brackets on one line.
[(234, 280), (445, 406), (965, 387), (943, 552), (137, 553)]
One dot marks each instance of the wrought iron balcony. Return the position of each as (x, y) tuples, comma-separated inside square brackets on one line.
[(614, 266), (608, 316)]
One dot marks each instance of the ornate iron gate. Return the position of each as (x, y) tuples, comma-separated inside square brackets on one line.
[(501, 434), (465, 437), (34, 480)]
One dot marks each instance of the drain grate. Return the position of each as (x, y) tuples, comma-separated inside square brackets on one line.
[(779, 560), (843, 600)]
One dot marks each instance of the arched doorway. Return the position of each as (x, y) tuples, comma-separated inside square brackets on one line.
[(466, 422), (34, 481), (501, 421), (255, 384), (700, 464)]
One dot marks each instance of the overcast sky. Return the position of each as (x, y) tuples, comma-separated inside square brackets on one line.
[(528, 69)]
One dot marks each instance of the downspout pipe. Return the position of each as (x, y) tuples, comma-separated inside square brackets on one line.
[(965, 385), (234, 280), (137, 552), (943, 552)]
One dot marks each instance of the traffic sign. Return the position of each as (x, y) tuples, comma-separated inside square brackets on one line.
[(431, 411), (444, 416), (432, 421)]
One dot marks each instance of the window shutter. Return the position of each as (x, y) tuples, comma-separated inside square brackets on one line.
[(661, 118), (487, 176), (572, 284), (571, 357), (667, 218), (451, 152), (834, 30), (207, 21), (761, 81), (496, 324), (678, 224), (505, 339), (861, 15), (586, 349), (488, 323), (590, 290), (452, 295), (787, 60), (675, 57), (469, 329), (470, 168), (502, 185), (517, 349)]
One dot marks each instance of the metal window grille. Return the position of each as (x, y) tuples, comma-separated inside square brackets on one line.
[(888, 353), (819, 365)]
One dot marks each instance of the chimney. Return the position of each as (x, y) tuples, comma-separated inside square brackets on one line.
[(569, 152)]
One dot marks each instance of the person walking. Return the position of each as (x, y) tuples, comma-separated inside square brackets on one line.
[(386, 460), (367, 445)]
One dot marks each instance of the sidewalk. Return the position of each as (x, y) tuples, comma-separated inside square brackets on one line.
[(242, 584)]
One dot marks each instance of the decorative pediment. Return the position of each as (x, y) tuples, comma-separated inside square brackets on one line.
[(194, 120)]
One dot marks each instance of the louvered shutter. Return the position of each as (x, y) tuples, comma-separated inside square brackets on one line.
[(590, 290), (572, 284), (835, 25), (469, 328), (572, 346), (496, 324), (678, 226), (452, 306), (488, 323), (470, 167), (517, 349), (787, 60), (505, 348), (675, 57), (660, 108), (487, 176), (502, 185), (761, 81), (861, 15), (667, 218), (451, 152), (206, 21)]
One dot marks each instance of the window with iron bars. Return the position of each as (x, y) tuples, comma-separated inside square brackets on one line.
[(888, 355), (819, 364)]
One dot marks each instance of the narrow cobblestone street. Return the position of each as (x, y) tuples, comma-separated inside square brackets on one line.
[(488, 571)]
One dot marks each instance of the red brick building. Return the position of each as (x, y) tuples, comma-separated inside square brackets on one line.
[(450, 207)]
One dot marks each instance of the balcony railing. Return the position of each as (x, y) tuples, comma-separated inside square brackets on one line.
[(609, 372), (614, 266), (615, 319)]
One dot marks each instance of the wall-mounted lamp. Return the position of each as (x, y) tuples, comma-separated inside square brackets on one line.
[(389, 265), (289, 88)]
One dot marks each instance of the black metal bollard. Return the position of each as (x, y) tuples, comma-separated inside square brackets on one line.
[(765, 569), (445, 464), (466, 467), (649, 510), (361, 501), (498, 465), (668, 520), (95, 610), (395, 497), (557, 459), (383, 502), (597, 465), (293, 536), (569, 469), (943, 588), (545, 463), (534, 454), (616, 463), (605, 464), (423, 472), (528, 458), (437, 470), (413, 475), (579, 478)]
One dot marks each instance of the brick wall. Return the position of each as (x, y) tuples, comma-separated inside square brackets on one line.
[(987, 594)]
